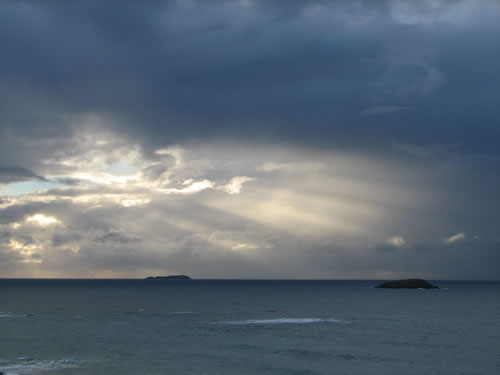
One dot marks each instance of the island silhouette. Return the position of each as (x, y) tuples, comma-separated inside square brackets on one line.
[(407, 284), (170, 277)]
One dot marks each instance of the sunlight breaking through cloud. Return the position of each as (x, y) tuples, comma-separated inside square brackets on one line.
[(397, 241), (459, 237), (42, 220)]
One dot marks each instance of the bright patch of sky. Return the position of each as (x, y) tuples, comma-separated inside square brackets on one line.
[(27, 187), (42, 219)]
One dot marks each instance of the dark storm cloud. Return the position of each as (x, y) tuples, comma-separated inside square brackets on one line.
[(306, 72), (18, 212), (15, 174), (67, 237), (69, 181)]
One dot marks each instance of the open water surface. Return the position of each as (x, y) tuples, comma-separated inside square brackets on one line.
[(210, 327)]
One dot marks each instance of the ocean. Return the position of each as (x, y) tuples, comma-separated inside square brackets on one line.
[(209, 327)]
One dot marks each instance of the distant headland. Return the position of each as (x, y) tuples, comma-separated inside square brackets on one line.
[(407, 284), (171, 277)]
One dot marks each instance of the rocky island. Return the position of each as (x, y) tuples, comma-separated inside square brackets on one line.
[(407, 284), (171, 277)]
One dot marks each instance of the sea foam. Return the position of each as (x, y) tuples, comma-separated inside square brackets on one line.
[(26, 365), (282, 321), (10, 315)]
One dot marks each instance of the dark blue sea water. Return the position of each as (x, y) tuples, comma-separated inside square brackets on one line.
[(247, 327)]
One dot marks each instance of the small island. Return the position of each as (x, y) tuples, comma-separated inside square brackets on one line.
[(407, 284), (171, 277)]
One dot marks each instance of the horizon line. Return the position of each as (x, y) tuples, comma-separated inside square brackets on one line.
[(237, 279)]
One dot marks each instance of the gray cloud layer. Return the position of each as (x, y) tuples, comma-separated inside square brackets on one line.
[(388, 112), (176, 70)]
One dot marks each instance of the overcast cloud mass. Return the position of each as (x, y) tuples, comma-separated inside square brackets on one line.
[(250, 139)]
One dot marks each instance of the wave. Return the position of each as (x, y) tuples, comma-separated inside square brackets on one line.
[(183, 312), (10, 315), (28, 365), (282, 321)]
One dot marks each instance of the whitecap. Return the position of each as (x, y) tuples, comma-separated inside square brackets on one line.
[(11, 315), (183, 312), (31, 366), (282, 321)]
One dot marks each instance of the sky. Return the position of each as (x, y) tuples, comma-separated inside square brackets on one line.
[(250, 139)]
